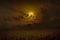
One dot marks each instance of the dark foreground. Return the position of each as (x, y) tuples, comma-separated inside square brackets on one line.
[(30, 34)]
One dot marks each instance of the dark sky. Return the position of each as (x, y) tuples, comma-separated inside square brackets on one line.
[(12, 12)]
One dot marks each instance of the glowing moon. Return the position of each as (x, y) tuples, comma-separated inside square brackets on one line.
[(30, 14)]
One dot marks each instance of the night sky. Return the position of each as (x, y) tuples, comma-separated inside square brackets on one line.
[(14, 13)]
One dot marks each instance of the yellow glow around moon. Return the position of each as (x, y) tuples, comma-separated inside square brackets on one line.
[(30, 14)]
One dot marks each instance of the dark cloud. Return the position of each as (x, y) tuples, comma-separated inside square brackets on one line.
[(11, 13)]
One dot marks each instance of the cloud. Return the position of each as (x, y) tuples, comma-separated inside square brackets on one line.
[(12, 15)]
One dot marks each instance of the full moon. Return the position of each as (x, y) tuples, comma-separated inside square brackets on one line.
[(30, 14)]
